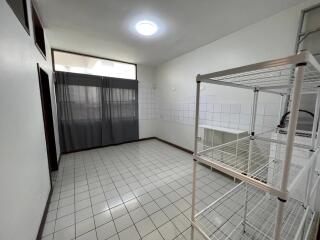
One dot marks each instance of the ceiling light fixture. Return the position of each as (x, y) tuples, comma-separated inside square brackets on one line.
[(146, 28)]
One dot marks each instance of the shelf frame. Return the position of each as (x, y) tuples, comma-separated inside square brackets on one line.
[(304, 57), (303, 74), (260, 202)]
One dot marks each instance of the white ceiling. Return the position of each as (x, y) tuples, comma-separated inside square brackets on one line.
[(105, 27)]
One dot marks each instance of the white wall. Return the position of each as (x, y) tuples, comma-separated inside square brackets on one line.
[(24, 177), (271, 38), (147, 102)]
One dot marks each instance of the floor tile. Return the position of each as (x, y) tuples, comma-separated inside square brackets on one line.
[(53, 205), (84, 226), (64, 222), (139, 192), (144, 185), (92, 235), (171, 211), (118, 211), (182, 204), (81, 189), (144, 199), (145, 226), (48, 228), (48, 237), (155, 194), (96, 191), (66, 201), (113, 202), (65, 234), (159, 218), (138, 214), (168, 231), (173, 196), (67, 194), (127, 197), (155, 235), (82, 196), (129, 234), (182, 192), (151, 207), (84, 214), (83, 204), (100, 207), (98, 199), (165, 189), (114, 237), (52, 215), (132, 204), (55, 197), (181, 222), (112, 194), (123, 222), (102, 218), (180, 237), (65, 211), (163, 202), (106, 231)]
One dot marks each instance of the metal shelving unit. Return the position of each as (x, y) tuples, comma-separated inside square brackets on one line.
[(259, 222), (264, 205)]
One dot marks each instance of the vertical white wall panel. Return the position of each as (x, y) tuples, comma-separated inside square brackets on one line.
[(24, 176)]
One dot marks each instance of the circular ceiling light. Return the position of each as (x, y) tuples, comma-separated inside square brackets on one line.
[(146, 28)]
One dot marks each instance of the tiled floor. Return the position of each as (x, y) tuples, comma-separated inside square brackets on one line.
[(133, 191)]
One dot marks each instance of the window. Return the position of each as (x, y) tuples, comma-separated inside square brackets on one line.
[(19, 7), (38, 32), (77, 63)]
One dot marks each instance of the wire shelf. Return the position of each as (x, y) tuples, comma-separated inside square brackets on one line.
[(271, 76), (256, 161), (272, 167), (224, 218)]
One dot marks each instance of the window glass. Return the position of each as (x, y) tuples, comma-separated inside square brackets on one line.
[(38, 32), (69, 62), (19, 7)]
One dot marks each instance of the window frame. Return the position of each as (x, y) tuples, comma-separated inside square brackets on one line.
[(35, 17), (25, 25), (92, 56)]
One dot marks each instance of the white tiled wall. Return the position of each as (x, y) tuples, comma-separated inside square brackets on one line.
[(218, 113), (180, 111), (148, 104)]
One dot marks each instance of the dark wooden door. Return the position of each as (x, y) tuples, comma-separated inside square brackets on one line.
[(48, 119)]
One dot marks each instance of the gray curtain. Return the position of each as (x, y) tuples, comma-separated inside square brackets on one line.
[(95, 111)]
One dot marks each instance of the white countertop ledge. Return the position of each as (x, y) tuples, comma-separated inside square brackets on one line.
[(223, 129)]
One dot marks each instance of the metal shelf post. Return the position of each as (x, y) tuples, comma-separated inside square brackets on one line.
[(194, 160), (252, 132), (289, 148)]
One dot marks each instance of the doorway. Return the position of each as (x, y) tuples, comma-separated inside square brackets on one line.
[(47, 119)]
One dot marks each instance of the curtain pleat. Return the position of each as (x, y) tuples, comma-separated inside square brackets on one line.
[(95, 111)]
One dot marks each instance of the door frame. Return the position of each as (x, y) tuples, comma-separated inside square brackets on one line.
[(48, 124)]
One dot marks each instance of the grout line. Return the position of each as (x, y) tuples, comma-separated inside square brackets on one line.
[(152, 179), (109, 209), (124, 206)]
